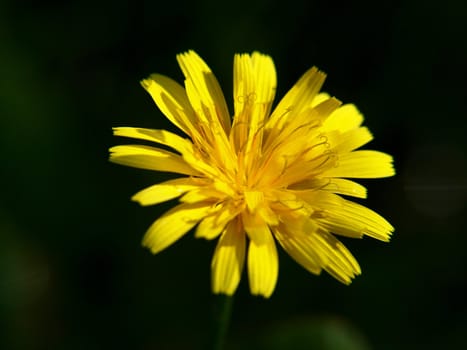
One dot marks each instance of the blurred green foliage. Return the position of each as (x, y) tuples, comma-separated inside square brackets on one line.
[(72, 272)]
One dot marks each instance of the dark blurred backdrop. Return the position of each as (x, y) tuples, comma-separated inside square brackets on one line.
[(73, 274)]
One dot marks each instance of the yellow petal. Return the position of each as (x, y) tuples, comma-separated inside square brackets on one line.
[(285, 202), (362, 164), (224, 187), (321, 97), (205, 87), (165, 191), (346, 187), (350, 219), (254, 90), (228, 260), (159, 136), (171, 99), (253, 200), (256, 227), (345, 118), (211, 113), (150, 158), (173, 225), (202, 166), (254, 84), (340, 262), (301, 249), (254, 79), (326, 108), (244, 84), (299, 97), (350, 140), (300, 138), (264, 77), (211, 226), (205, 193), (268, 215), (334, 185), (263, 266), (318, 249)]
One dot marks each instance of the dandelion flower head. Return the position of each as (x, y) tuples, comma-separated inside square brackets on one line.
[(260, 179)]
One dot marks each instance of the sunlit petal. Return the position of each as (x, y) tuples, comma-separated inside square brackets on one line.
[(165, 191), (151, 158), (228, 260), (362, 164), (173, 225), (263, 266)]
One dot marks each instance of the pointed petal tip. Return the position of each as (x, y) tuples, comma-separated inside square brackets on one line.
[(187, 52), (146, 243), (146, 83), (151, 79), (120, 130), (388, 236), (228, 260), (136, 198), (222, 292), (261, 295), (149, 243)]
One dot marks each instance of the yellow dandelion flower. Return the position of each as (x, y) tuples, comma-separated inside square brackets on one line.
[(260, 177)]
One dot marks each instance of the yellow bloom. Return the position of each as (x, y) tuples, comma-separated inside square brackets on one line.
[(260, 177)]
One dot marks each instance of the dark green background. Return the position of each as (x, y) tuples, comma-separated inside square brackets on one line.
[(72, 272)]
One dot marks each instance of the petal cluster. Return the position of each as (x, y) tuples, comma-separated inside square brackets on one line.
[(262, 178)]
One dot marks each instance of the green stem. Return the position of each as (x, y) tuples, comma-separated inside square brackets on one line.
[(221, 317)]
